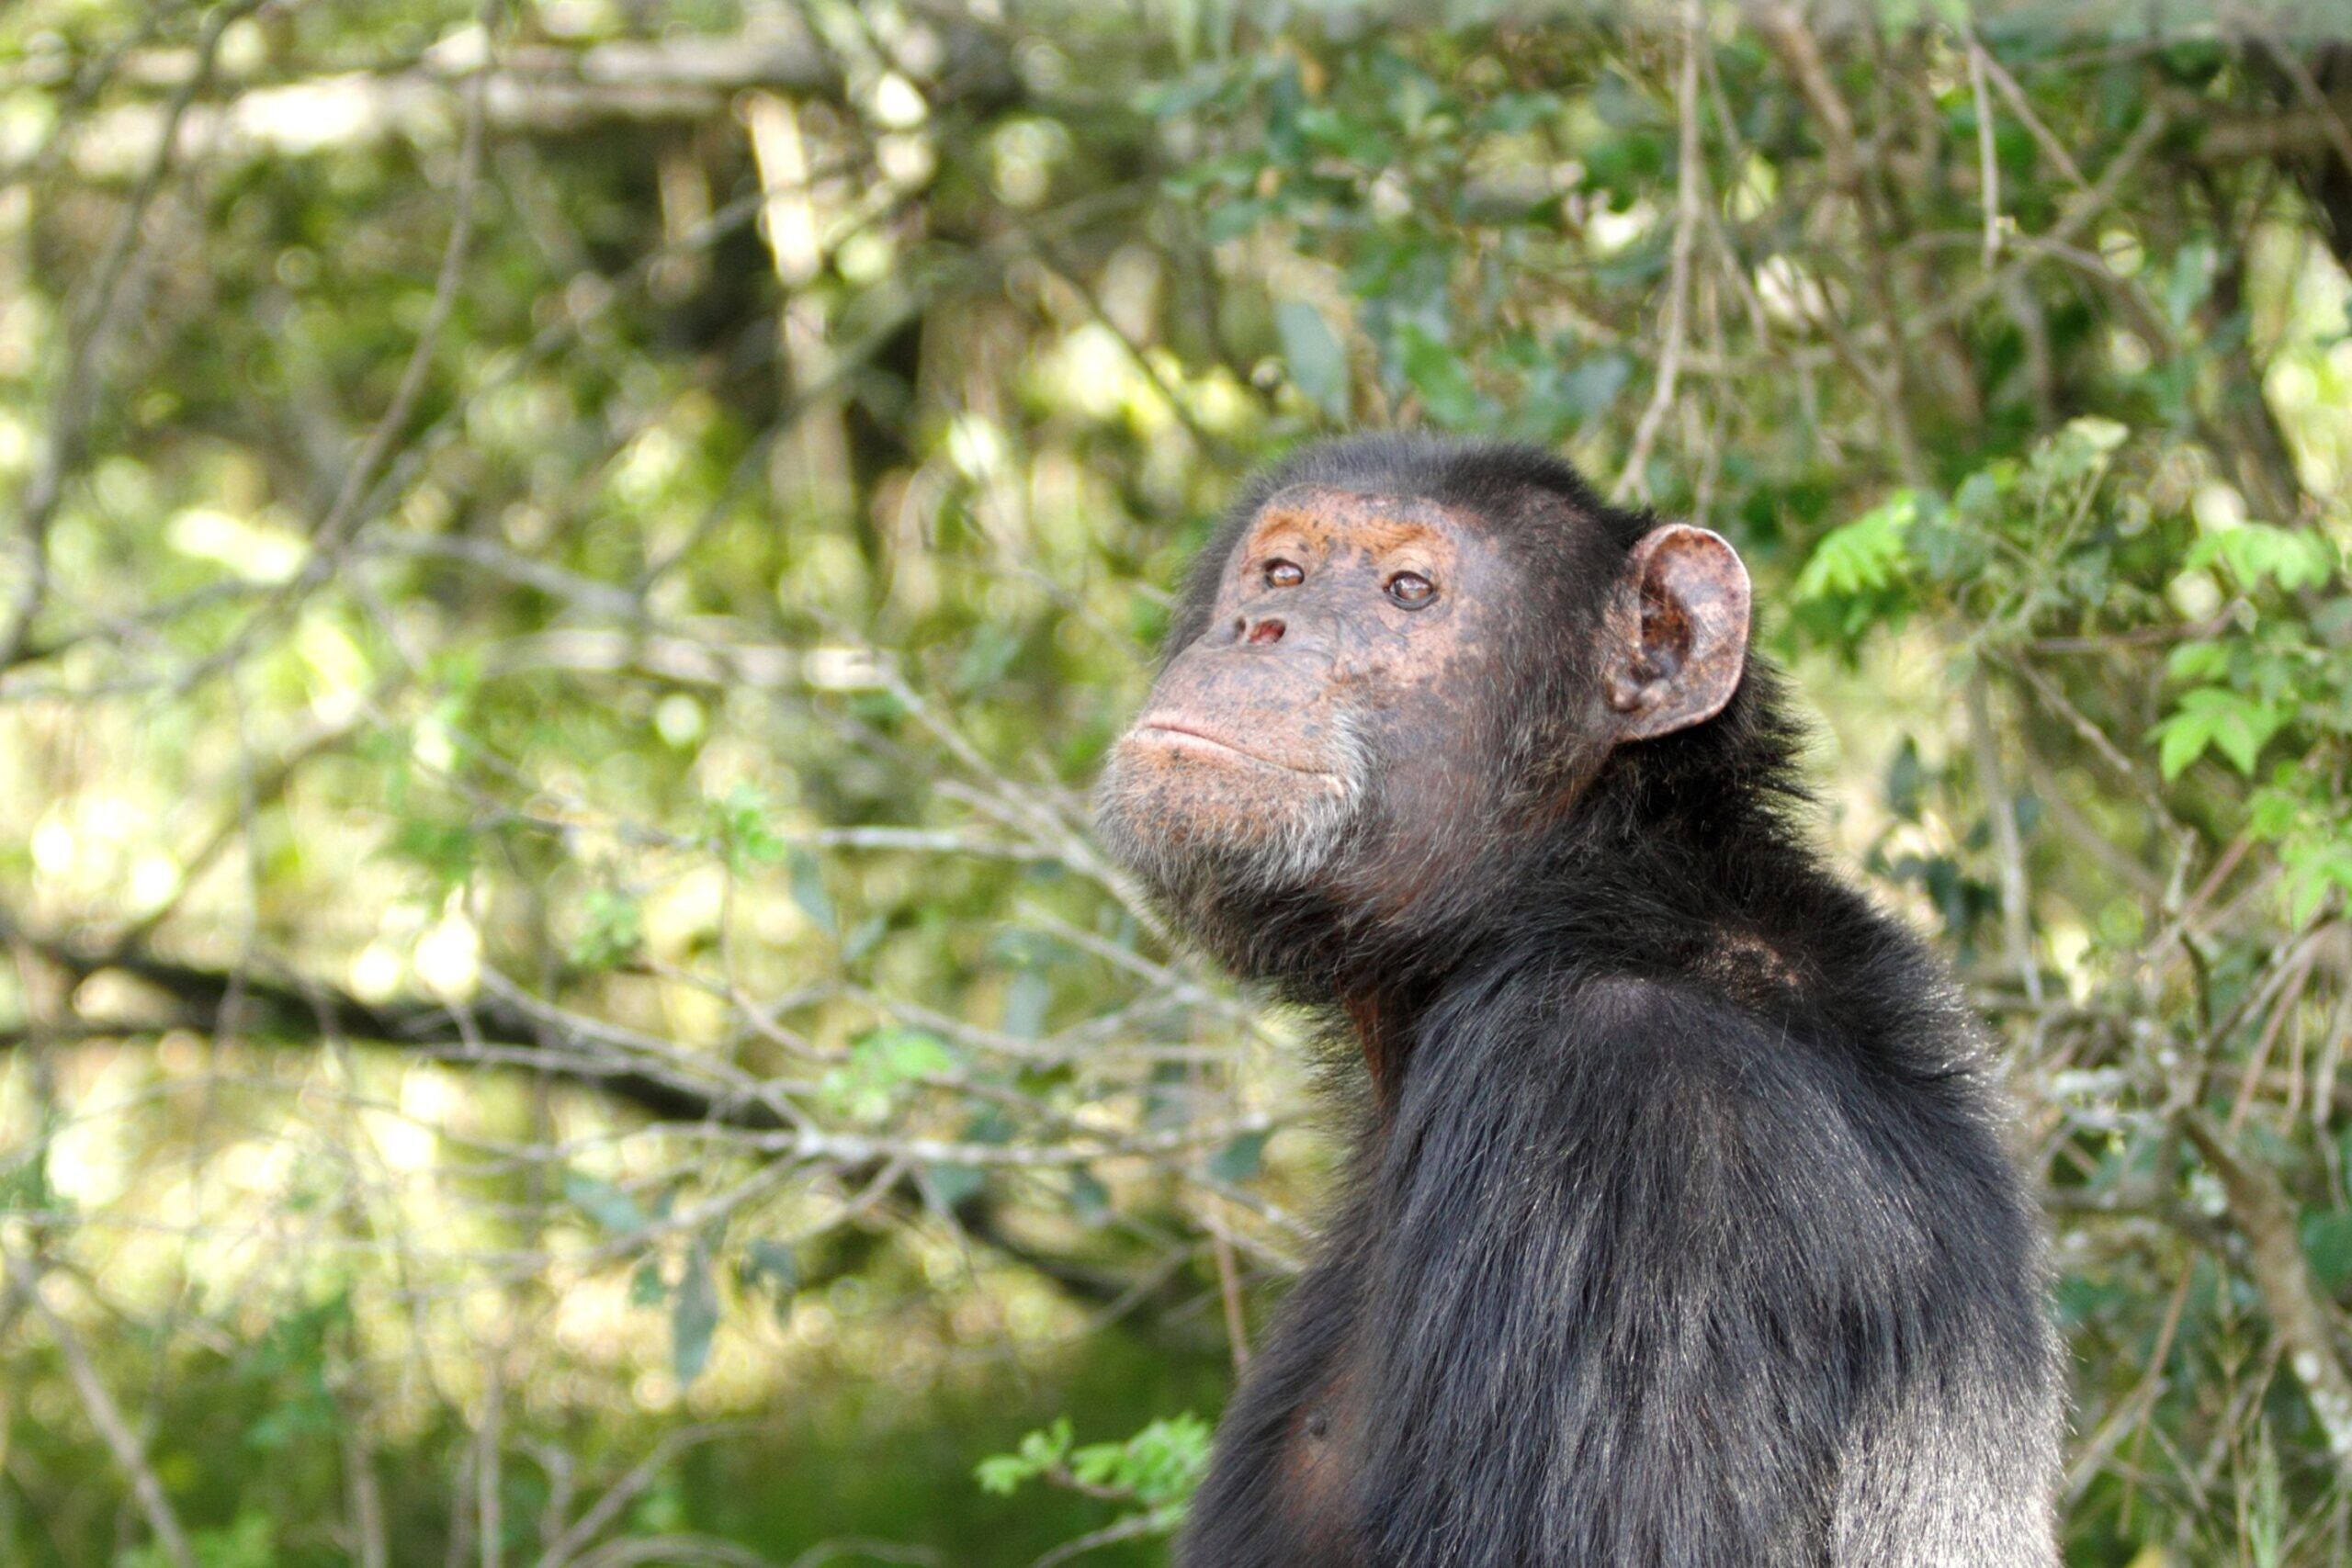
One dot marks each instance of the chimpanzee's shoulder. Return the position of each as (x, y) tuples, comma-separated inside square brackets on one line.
[(1656, 1018), (1678, 1057)]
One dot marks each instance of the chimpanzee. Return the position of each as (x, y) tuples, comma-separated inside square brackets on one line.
[(1679, 1231)]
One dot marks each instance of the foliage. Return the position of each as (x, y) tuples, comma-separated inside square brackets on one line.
[(1157, 1469), (566, 572)]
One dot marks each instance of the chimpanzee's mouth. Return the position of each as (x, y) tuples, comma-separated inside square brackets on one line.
[(1165, 732)]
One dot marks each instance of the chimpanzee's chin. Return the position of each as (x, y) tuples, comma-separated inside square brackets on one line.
[(1206, 846)]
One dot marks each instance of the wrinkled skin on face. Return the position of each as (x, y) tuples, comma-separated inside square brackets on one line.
[(1374, 703), (1283, 747)]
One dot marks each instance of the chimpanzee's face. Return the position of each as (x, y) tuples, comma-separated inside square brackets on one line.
[(1378, 697), (1327, 729)]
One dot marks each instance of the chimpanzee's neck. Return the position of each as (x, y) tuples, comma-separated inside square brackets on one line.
[(1614, 894), (1682, 862)]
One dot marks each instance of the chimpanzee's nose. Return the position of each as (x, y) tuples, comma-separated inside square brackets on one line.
[(1262, 623)]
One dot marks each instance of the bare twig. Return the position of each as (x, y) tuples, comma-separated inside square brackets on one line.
[(601, 1514), (2001, 810), (92, 326), (2299, 1311), (1787, 30), (1689, 201), (1988, 162), (392, 423), (2022, 107), (1110, 1535), (128, 1451)]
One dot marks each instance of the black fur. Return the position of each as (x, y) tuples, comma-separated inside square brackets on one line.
[(1681, 1233)]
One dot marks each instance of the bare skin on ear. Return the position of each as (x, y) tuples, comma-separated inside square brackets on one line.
[(1679, 631)]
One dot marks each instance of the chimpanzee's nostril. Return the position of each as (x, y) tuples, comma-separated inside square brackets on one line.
[(1268, 630)]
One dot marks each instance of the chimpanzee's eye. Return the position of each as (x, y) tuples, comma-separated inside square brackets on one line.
[(1411, 590), (1283, 574)]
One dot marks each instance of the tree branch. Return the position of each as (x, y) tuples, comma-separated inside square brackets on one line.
[(2304, 1322)]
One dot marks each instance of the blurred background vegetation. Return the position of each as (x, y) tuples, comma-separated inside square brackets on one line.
[(565, 565)]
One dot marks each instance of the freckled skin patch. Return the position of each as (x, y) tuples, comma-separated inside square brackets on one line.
[(1293, 694), (1319, 709)]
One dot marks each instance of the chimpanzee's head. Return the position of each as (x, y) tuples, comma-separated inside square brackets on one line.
[(1398, 658)]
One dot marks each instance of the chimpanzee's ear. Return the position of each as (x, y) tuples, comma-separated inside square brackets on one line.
[(1678, 632)]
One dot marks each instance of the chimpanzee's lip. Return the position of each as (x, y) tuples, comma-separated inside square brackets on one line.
[(1176, 730)]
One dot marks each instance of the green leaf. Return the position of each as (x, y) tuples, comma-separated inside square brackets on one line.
[(770, 1265), (2327, 1243), (647, 1288), (1026, 998), (1514, 112), (694, 1316), (2240, 740), (1238, 1160), (1863, 555), (864, 937), (809, 892), (612, 1209), (2315, 866), (1089, 1199), (881, 1064), (1160, 1468), (1315, 360), (1039, 1453), (248, 1541), (613, 926), (2183, 739), (1000, 1475), (950, 1184), (1160, 1465), (898, 1055), (2228, 721), (1906, 781), (445, 850), (2199, 661), (25, 1186), (739, 822), (2254, 553), (2078, 451), (2272, 813), (991, 653), (2191, 280), (1232, 220), (1437, 373)]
